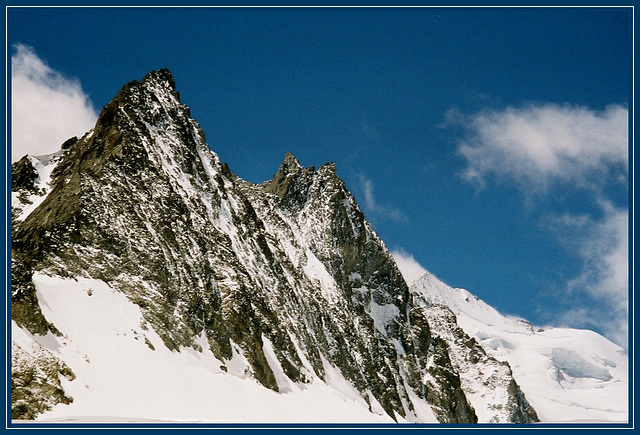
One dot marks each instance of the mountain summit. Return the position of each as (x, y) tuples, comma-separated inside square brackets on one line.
[(148, 281), (284, 279)]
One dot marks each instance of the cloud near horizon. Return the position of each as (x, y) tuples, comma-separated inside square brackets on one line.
[(410, 269), (372, 205), (542, 147), (605, 272), (47, 108)]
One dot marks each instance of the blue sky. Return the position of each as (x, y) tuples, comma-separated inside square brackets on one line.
[(486, 145)]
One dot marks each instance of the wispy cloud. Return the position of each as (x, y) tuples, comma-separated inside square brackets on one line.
[(603, 246), (540, 145), (368, 130), (46, 107), (574, 148), (410, 269), (372, 205)]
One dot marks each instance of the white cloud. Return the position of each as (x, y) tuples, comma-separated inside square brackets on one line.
[(410, 269), (546, 146), (605, 253), (538, 145), (603, 246), (46, 107), (372, 205)]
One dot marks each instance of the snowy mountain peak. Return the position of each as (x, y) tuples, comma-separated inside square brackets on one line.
[(159, 78), (328, 168), (289, 165), (139, 259), (461, 301), (283, 283), (566, 374), (159, 83), (289, 171)]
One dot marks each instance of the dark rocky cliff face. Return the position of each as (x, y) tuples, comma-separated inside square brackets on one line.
[(143, 204), (35, 382)]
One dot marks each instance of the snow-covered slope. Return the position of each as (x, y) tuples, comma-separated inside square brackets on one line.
[(122, 369), (282, 285), (151, 283), (567, 375)]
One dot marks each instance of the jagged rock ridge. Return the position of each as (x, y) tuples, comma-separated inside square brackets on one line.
[(141, 203)]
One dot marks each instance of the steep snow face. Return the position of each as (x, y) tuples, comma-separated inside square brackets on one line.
[(567, 375), (123, 369)]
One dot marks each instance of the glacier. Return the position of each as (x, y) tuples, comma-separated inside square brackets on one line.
[(568, 375)]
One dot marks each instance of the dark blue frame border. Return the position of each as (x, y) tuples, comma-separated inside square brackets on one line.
[(234, 428)]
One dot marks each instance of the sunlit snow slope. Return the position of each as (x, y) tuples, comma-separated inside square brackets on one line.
[(124, 370), (568, 375), (150, 283)]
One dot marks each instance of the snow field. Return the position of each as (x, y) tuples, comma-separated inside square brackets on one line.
[(567, 375), (119, 376)]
